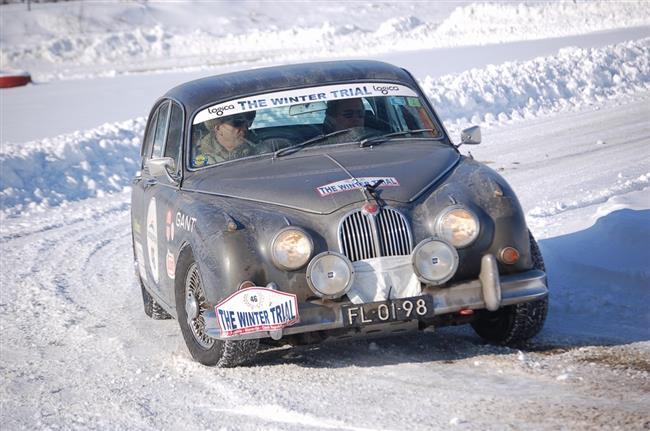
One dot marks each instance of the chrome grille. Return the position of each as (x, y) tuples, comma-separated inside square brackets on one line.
[(363, 236)]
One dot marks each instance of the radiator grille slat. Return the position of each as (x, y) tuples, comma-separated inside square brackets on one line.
[(358, 234)]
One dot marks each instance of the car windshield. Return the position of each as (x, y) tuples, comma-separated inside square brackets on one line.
[(285, 121)]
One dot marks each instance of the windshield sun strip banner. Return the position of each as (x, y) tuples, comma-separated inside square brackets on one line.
[(302, 95)]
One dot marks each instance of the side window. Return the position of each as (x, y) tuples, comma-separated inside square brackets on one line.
[(161, 130), (174, 136)]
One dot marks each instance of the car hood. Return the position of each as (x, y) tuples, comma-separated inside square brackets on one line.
[(325, 179)]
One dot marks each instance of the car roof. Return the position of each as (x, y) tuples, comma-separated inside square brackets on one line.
[(201, 92)]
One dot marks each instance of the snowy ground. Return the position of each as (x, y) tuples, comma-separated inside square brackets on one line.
[(562, 91)]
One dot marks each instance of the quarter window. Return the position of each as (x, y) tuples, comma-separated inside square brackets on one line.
[(161, 130), (148, 141), (174, 136)]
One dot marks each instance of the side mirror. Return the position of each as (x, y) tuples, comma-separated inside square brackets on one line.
[(470, 136), (162, 166)]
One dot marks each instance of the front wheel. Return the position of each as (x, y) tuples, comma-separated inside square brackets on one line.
[(191, 305), (515, 324)]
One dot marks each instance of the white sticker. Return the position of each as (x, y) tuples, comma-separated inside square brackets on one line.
[(170, 264), (139, 256), (152, 239), (185, 222), (355, 184), (169, 226), (256, 309), (303, 95)]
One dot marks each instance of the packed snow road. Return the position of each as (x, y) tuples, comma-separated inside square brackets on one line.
[(78, 351)]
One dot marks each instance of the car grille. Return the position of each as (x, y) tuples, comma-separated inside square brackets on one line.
[(363, 236)]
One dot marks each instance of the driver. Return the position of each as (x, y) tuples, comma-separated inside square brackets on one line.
[(227, 140), (344, 114)]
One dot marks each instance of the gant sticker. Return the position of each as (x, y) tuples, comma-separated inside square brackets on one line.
[(185, 222), (256, 309), (152, 239), (354, 184)]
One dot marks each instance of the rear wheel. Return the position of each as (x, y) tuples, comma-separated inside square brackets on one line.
[(515, 324), (151, 307), (191, 305)]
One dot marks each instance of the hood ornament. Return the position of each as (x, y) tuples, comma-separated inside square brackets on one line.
[(372, 208)]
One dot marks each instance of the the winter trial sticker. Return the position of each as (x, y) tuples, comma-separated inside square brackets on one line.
[(256, 309), (354, 184)]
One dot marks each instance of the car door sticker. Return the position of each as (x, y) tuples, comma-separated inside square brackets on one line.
[(139, 257), (256, 309), (169, 226), (152, 239), (170, 264), (354, 184)]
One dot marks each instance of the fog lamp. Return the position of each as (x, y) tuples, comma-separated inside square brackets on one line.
[(330, 275), (434, 261)]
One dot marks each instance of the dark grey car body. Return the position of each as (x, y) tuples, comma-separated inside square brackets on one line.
[(228, 215)]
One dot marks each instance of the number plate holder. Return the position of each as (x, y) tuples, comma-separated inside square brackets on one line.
[(394, 310)]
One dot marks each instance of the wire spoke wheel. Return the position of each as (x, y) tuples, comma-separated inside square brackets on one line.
[(195, 306)]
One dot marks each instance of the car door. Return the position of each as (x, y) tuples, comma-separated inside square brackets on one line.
[(161, 193), (150, 214), (138, 217)]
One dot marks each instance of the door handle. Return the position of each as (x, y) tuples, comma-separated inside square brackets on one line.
[(150, 182)]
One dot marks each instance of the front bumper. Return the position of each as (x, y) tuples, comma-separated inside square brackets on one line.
[(490, 291)]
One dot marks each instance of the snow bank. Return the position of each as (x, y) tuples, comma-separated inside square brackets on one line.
[(81, 39), (514, 90), (41, 174), (486, 23)]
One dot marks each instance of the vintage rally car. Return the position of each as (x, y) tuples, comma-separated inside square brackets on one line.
[(323, 201)]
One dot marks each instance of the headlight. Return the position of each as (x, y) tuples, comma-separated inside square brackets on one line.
[(434, 261), (330, 275), (457, 225), (291, 248)]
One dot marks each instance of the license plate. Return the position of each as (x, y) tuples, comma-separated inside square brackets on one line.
[(418, 307)]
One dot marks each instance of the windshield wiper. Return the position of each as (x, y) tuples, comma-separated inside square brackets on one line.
[(309, 141), (373, 139)]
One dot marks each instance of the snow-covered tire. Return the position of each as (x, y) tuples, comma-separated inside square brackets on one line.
[(204, 349), (151, 307), (515, 324)]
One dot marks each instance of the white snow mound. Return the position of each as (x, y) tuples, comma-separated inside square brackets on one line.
[(520, 89)]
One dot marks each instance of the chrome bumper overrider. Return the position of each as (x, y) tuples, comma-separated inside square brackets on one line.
[(490, 291)]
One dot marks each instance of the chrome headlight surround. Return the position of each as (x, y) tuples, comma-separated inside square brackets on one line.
[(330, 275), (434, 261), (291, 248), (457, 225)]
